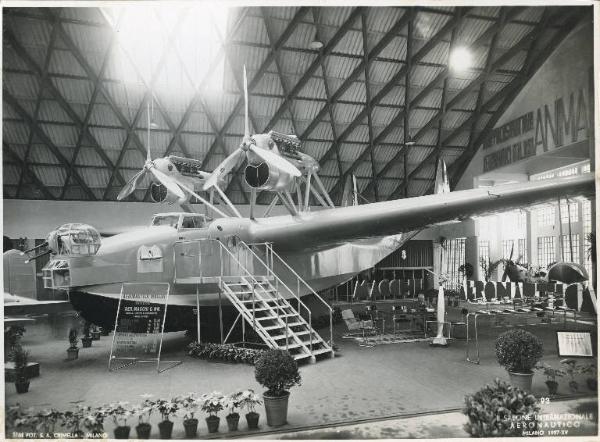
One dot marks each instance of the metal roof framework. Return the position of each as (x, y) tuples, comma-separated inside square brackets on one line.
[(381, 78)]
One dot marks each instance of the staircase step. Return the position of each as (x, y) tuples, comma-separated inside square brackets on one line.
[(273, 327), (290, 346), (283, 336), (274, 318), (249, 292), (314, 353)]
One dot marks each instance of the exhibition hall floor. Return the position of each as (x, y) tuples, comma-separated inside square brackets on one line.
[(360, 383)]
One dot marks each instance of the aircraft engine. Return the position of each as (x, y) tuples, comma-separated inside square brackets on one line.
[(160, 194), (264, 177)]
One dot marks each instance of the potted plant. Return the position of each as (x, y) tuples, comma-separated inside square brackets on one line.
[(232, 403), (519, 351), (19, 419), (12, 339), (72, 420), (93, 420), (120, 412), (47, 420), (592, 380), (143, 411), (189, 404), (73, 350), (572, 369), (493, 410), (277, 371), (20, 358), (166, 409), (248, 401), (95, 334), (212, 403), (86, 341), (551, 375)]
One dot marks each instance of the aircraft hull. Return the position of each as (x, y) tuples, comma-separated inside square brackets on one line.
[(321, 269)]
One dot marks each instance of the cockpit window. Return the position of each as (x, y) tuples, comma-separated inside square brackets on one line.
[(167, 220), (192, 222)]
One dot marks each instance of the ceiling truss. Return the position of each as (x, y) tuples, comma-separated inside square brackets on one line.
[(343, 152)]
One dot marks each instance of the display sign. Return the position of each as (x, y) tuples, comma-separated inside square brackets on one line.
[(139, 324), (574, 344)]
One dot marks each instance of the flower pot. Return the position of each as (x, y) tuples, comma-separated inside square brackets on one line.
[(166, 429), (122, 432), (552, 387), (276, 408), (521, 380), (72, 354), (22, 386), (87, 342), (232, 421), (212, 422), (592, 384), (191, 428), (252, 420), (143, 430), (95, 336)]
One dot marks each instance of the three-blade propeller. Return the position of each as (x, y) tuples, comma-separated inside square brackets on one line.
[(248, 145), (149, 166)]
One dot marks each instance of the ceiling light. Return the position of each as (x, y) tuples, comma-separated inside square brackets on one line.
[(153, 125), (410, 142), (461, 59), (315, 44)]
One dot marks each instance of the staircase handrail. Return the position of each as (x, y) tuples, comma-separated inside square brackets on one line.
[(270, 271), (269, 247), (224, 247)]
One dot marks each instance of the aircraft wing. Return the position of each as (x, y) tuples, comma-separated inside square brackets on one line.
[(342, 224)]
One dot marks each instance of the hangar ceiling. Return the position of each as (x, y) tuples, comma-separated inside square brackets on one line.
[(77, 83)]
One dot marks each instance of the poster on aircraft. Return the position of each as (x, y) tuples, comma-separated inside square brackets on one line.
[(139, 323)]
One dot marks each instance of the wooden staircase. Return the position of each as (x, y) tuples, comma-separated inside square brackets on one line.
[(273, 318)]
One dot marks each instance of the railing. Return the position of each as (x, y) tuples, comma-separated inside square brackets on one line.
[(223, 270), (269, 268), (270, 255)]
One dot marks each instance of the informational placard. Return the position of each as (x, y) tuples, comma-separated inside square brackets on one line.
[(139, 324), (574, 344)]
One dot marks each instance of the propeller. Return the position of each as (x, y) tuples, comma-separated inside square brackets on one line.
[(248, 144), (149, 166)]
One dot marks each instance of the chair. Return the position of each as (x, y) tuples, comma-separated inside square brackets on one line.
[(354, 325), (399, 316)]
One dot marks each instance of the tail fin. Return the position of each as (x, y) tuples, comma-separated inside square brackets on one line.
[(441, 178)]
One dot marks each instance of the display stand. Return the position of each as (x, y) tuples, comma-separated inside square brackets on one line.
[(139, 326)]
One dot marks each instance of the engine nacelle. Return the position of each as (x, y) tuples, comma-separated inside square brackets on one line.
[(160, 194), (263, 177)]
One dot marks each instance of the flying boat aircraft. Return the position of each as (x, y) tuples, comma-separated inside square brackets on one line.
[(306, 249)]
